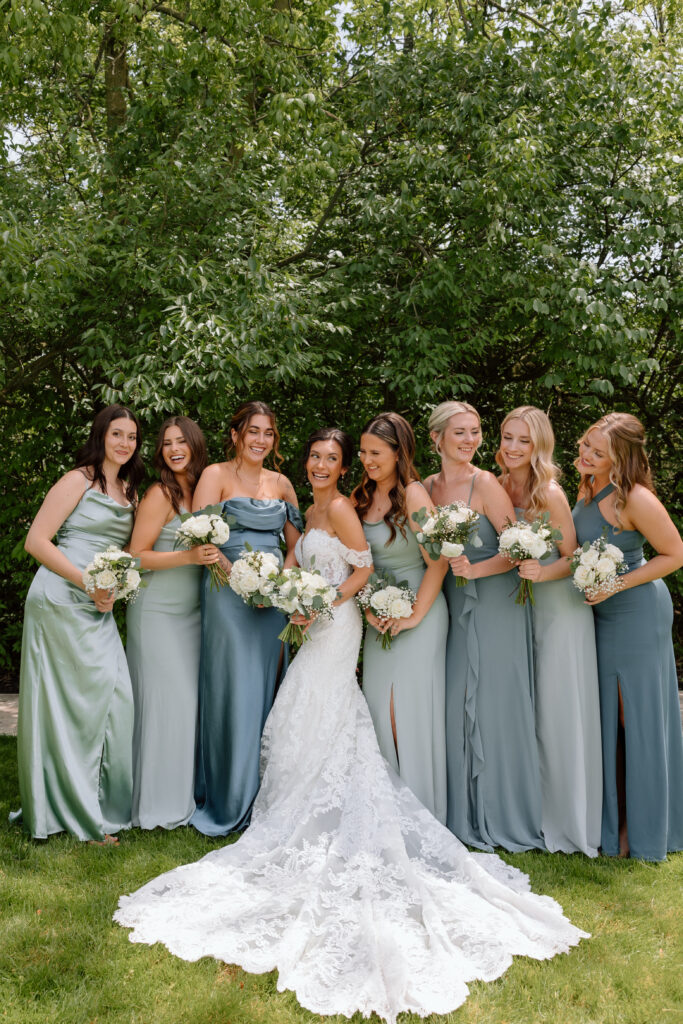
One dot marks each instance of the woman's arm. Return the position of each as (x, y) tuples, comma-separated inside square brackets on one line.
[(291, 534), (499, 510), (645, 512), (59, 503), (560, 519), (347, 526), (154, 512), (209, 490)]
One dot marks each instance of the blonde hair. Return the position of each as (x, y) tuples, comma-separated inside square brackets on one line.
[(542, 470), (625, 441), (438, 421)]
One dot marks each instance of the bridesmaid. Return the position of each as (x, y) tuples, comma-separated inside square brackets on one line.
[(75, 700), (565, 663), (241, 656), (642, 748), (404, 686), (163, 630), (494, 784)]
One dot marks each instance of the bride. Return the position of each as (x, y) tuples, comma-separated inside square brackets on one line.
[(344, 882)]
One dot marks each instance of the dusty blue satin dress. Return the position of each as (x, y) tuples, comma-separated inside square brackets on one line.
[(75, 699), (241, 660), (494, 782), (635, 654)]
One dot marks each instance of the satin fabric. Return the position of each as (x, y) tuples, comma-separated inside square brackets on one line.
[(494, 782), (241, 661), (163, 642), (635, 654), (75, 700)]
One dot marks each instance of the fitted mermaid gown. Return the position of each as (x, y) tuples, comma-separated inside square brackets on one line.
[(75, 700), (635, 655), (344, 882), (241, 659), (163, 638), (413, 672)]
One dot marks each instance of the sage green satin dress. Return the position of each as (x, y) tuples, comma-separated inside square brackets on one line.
[(75, 700), (413, 670), (163, 643)]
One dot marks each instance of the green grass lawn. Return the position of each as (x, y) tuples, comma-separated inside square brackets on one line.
[(63, 960)]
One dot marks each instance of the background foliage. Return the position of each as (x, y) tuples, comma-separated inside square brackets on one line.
[(340, 208)]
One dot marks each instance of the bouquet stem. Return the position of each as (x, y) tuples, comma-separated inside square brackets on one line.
[(293, 634), (460, 581), (526, 590), (219, 576)]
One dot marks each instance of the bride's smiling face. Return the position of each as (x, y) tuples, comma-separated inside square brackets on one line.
[(324, 464)]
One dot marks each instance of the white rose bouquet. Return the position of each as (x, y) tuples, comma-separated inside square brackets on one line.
[(206, 527), (253, 577), (597, 566), (388, 600), (306, 592), (445, 531), (115, 570), (522, 540)]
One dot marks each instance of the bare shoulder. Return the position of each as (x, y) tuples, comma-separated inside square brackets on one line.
[(285, 489), (642, 501), (488, 483), (217, 471), (417, 497), (342, 510), (557, 499), (155, 499), (72, 485)]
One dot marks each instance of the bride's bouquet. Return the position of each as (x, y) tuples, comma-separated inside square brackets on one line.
[(388, 600), (596, 567), (115, 570), (254, 576), (207, 527), (445, 531), (306, 592), (522, 540)]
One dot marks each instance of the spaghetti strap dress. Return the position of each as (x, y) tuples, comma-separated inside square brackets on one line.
[(412, 670), (163, 631), (494, 780), (567, 715), (636, 656), (240, 663), (75, 700)]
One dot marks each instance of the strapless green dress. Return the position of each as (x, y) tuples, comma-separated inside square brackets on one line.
[(635, 654), (413, 669), (75, 700), (164, 633)]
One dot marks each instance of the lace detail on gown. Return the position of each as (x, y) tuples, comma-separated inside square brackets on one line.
[(344, 882)]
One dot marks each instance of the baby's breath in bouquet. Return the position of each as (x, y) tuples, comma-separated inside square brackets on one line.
[(205, 527), (445, 531), (520, 541), (115, 570), (305, 592), (596, 567), (388, 600)]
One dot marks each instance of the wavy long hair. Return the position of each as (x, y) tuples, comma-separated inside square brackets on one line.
[(625, 439), (91, 455), (542, 470), (196, 466), (398, 434), (438, 421), (240, 424)]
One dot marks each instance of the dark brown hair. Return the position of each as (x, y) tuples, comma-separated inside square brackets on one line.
[(91, 455), (197, 464), (398, 433), (344, 440), (625, 437), (240, 424)]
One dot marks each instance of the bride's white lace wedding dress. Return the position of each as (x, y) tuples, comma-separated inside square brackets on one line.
[(344, 882)]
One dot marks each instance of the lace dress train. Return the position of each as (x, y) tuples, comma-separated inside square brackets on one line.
[(344, 882)]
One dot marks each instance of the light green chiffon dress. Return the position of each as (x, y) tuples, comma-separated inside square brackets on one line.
[(164, 637), (414, 671), (75, 700)]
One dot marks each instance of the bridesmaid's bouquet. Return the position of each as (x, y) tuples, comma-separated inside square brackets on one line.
[(115, 570), (206, 527), (597, 566), (254, 576), (519, 541), (388, 600), (306, 592), (446, 530)]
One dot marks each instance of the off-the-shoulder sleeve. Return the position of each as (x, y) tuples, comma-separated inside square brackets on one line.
[(361, 559), (294, 516)]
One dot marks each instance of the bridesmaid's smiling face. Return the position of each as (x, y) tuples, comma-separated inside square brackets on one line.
[(594, 459), (120, 440), (175, 450), (378, 457), (324, 464), (461, 438), (516, 445), (257, 441)]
